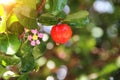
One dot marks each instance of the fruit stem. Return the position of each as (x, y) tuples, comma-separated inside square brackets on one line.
[(41, 6), (57, 44)]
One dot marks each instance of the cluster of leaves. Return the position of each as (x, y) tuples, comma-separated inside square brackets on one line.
[(16, 50)]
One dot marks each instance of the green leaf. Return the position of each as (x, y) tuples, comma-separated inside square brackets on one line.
[(8, 60), (2, 70), (14, 44), (48, 19), (39, 50), (16, 28), (48, 6), (1, 10), (3, 19), (26, 16), (25, 49), (77, 15), (58, 6), (25, 11), (13, 25), (3, 24), (30, 3), (108, 69), (61, 15), (3, 43), (54, 6), (9, 43), (78, 19), (79, 23), (26, 57), (28, 63), (11, 19), (23, 77), (28, 22)]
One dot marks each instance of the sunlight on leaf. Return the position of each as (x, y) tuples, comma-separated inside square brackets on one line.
[(3, 63), (7, 2), (11, 20), (1, 10), (2, 70), (3, 24), (8, 60), (14, 44), (26, 16), (8, 74), (30, 3)]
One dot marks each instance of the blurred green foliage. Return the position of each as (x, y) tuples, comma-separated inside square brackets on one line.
[(91, 54)]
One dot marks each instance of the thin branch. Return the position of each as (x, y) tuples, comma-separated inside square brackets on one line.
[(41, 6)]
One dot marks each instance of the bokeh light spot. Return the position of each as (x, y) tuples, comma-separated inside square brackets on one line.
[(50, 78), (103, 6), (97, 32), (118, 61), (49, 45), (7, 2), (76, 38), (45, 37), (41, 61), (62, 72), (112, 31), (51, 64)]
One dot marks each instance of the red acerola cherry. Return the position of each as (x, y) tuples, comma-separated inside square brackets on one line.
[(61, 33)]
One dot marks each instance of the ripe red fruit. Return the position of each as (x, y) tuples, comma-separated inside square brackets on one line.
[(61, 33)]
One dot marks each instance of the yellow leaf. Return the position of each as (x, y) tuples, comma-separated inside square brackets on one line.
[(1, 10)]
